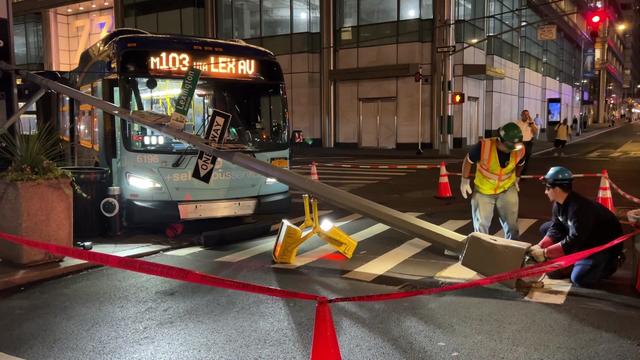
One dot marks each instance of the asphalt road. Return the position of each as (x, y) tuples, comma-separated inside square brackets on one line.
[(112, 314)]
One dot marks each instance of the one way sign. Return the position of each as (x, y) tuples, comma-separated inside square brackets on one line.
[(216, 131)]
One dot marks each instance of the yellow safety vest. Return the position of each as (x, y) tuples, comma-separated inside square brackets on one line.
[(491, 178)]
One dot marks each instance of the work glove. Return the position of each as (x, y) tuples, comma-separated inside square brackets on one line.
[(518, 184), (465, 187), (537, 253)]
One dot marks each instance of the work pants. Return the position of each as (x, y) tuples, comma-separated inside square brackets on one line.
[(482, 208), (528, 149)]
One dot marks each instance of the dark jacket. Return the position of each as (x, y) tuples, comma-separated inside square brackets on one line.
[(580, 223)]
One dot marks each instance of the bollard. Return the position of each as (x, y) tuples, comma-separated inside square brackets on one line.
[(110, 208)]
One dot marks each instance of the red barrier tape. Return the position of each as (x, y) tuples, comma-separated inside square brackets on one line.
[(623, 194), (156, 269), (374, 166), (529, 271)]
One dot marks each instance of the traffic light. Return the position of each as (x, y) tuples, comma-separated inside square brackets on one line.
[(457, 97), (594, 21)]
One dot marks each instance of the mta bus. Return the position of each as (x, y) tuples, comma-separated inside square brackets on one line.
[(140, 71)]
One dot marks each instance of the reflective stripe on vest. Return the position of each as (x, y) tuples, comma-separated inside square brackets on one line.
[(490, 177)]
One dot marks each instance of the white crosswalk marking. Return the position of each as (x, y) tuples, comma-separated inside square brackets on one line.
[(387, 261), (317, 253), (268, 243), (349, 181), (352, 177), (350, 171), (523, 225), (454, 225), (553, 292)]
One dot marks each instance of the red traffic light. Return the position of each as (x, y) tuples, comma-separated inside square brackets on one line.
[(457, 98), (595, 19)]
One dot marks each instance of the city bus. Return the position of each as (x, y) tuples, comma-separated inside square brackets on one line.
[(140, 71)]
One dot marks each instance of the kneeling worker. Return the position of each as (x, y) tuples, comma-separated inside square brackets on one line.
[(499, 162), (577, 224)]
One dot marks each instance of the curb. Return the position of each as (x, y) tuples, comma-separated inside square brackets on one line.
[(23, 276)]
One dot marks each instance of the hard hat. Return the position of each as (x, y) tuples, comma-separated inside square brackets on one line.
[(510, 135), (558, 175)]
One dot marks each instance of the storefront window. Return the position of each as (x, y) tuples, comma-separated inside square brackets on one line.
[(276, 17)]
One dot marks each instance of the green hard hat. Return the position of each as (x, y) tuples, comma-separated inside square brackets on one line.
[(510, 132), (558, 175)]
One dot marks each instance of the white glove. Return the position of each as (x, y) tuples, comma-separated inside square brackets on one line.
[(537, 253), (465, 187), (518, 184)]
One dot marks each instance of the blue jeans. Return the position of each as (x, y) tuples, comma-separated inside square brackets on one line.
[(482, 207), (587, 272)]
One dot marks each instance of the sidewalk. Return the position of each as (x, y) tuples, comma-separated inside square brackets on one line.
[(129, 245), (145, 244)]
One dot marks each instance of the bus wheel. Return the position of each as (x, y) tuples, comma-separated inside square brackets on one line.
[(174, 230)]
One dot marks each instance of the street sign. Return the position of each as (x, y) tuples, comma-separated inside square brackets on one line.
[(179, 117), (216, 131), (547, 32), (446, 49)]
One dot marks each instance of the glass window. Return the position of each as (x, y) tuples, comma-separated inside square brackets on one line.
[(246, 19), (224, 15), (426, 9), (300, 16), (20, 43), (63, 118), (314, 12), (84, 121), (276, 17), (258, 119), (347, 13), (376, 11), (169, 22), (409, 9)]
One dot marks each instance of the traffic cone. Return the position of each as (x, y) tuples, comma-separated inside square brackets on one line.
[(444, 190), (324, 345), (604, 192), (314, 172)]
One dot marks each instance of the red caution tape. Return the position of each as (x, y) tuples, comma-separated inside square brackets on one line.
[(529, 271), (376, 166), (325, 342), (156, 269)]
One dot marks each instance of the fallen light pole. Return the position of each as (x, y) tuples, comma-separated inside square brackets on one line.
[(395, 219)]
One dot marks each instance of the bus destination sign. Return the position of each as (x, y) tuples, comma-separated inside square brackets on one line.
[(212, 65)]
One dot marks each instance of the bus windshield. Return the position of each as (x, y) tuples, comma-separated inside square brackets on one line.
[(258, 113)]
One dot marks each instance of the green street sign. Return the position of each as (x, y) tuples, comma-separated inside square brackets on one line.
[(179, 116)]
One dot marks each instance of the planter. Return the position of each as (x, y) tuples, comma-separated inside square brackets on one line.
[(41, 211)]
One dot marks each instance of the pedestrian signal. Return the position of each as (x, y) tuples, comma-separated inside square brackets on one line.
[(457, 98)]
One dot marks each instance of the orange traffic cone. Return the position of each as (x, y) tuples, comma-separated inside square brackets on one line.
[(324, 345), (314, 172), (604, 192), (444, 190)]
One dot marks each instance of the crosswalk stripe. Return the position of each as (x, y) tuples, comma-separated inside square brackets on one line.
[(352, 177), (184, 251), (268, 243), (454, 225), (349, 181), (553, 292), (523, 225), (392, 173), (387, 261), (317, 253)]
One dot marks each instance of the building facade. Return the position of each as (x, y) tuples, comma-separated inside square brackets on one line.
[(350, 65)]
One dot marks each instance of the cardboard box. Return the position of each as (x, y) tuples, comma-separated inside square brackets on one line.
[(490, 255)]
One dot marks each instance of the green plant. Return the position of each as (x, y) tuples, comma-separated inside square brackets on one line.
[(32, 157)]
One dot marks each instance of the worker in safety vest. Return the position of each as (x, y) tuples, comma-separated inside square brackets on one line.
[(499, 162), (577, 224)]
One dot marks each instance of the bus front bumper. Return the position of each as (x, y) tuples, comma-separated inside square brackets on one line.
[(139, 212)]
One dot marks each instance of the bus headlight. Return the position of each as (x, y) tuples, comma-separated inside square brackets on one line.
[(142, 182)]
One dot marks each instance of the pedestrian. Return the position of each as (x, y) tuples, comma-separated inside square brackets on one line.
[(529, 130), (562, 136), (538, 121), (499, 161), (577, 224)]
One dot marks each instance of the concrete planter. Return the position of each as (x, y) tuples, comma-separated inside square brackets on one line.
[(36, 210)]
